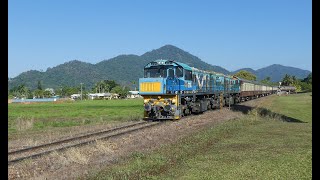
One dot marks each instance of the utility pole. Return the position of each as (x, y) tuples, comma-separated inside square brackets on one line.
[(229, 84), (81, 90)]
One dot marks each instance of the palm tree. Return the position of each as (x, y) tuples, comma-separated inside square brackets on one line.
[(286, 81)]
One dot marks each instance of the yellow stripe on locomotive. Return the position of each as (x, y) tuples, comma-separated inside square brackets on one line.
[(150, 87)]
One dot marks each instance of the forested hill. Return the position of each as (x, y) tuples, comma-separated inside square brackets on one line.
[(124, 69), (173, 53), (276, 72)]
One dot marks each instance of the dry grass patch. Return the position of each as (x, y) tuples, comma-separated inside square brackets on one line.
[(21, 170), (60, 158), (24, 123), (31, 142), (105, 147), (77, 156)]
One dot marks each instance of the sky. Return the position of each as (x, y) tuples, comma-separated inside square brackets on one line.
[(232, 34)]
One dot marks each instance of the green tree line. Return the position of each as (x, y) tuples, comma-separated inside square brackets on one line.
[(104, 86)]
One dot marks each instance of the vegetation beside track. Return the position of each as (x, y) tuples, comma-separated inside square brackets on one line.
[(273, 141), (40, 116)]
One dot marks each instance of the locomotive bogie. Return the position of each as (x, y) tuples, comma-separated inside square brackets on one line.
[(161, 107)]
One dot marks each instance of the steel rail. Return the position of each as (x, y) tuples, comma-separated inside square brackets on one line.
[(70, 139), (77, 138)]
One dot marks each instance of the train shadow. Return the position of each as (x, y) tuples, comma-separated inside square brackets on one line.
[(263, 112)]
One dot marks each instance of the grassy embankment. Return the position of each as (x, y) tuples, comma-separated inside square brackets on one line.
[(272, 142), (40, 116)]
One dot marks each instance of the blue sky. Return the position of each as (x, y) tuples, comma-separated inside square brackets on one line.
[(232, 34)]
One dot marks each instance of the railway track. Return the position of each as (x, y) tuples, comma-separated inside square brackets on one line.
[(37, 151)]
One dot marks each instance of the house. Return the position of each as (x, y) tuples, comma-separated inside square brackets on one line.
[(51, 90), (134, 94), (75, 96), (100, 96)]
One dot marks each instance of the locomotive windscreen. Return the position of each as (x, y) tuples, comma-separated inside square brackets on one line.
[(156, 72)]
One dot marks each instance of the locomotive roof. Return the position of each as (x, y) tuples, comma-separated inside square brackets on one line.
[(183, 65), (168, 62)]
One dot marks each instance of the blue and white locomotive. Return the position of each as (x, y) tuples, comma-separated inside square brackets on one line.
[(173, 89)]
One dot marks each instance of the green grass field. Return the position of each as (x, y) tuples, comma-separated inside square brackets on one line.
[(39, 116), (273, 142)]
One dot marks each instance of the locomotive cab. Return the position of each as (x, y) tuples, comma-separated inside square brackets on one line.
[(160, 87)]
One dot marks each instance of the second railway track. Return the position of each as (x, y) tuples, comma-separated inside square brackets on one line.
[(36, 151)]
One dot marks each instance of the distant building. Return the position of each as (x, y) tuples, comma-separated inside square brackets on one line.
[(134, 94), (75, 96), (51, 90), (100, 96)]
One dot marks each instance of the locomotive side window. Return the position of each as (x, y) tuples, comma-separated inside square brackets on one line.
[(179, 72), (163, 72), (187, 75), (218, 81), (170, 73)]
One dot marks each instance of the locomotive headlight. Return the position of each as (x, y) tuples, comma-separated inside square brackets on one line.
[(173, 108)]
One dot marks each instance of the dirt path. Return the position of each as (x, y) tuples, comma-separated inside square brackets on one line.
[(79, 161)]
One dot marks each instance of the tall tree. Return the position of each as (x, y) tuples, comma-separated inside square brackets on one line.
[(287, 80), (122, 91), (111, 84), (38, 93), (308, 79), (266, 80), (39, 85)]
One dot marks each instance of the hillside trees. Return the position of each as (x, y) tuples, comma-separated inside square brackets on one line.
[(246, 75), (306, 83), (287, 80), (20, 91), (38, 93), (308, 79), (301, 85), (111, 86), (104, 86), (268, 81), (39, 85), (122, 91)]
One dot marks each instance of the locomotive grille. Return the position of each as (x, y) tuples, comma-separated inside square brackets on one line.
[(150, 87)]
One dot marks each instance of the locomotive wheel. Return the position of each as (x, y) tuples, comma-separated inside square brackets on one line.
[(186, 112)]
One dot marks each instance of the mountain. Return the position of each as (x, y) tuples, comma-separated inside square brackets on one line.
[(124, 69), (127, 69), (173, 53), (276, 72)]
